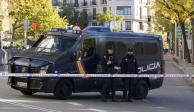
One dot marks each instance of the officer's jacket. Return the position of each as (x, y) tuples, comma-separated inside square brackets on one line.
[(108, 68), (129, 65)]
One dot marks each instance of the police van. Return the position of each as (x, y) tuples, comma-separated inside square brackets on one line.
[(65, 53)]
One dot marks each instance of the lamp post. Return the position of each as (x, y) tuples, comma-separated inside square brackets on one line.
[(26, 26)]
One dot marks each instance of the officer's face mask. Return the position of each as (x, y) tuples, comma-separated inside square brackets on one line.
[(130, 52)]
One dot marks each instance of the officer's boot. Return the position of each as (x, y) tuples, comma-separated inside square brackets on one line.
[(103, 97), (124, 95), (113, 96), (130, 97)]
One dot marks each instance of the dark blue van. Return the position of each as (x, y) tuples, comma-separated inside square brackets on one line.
[(62, 53)]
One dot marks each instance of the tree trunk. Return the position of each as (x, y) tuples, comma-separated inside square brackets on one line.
[(186, 48), (14, 29), (13, 32), (192, 39)]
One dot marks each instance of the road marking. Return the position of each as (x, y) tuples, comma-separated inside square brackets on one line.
[(27, 106), (13, 100), (158, 107), (95, 110), (145, 100), (12, 108), (75, 103)]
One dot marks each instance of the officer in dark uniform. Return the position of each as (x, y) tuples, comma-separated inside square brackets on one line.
[(129, 66), (108, 64)]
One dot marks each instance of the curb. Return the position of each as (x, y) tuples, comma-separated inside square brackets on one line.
[(175, 63)]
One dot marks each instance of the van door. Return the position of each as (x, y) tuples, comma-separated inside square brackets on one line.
[(89, 57), (88, 62)]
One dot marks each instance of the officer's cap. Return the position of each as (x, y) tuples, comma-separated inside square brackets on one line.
[(111, 48)]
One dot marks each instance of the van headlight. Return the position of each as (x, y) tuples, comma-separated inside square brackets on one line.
[(43, 70)]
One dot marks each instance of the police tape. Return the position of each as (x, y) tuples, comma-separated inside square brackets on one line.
[(5, 74)]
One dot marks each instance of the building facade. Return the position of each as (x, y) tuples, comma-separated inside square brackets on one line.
[(136, 12)]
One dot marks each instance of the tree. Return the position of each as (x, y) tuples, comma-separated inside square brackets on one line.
[(37, 11), (83, 19), (174, 11), (69, 11), (109, 17), (105, 17), (74, 16)]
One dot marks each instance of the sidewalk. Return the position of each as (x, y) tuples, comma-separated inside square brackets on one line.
[(186, 68)]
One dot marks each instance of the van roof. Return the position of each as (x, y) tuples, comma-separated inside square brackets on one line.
[(60, 33), (109, 34), (123, 34)]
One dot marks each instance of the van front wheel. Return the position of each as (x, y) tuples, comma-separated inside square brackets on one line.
[(63, 90), (141, 90)]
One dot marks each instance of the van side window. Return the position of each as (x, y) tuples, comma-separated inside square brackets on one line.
[(110, 44), (88, 48), (138, 49), (121, 49), (150, 49)]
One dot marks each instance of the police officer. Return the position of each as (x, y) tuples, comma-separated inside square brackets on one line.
[(129, 66), (108, 63)]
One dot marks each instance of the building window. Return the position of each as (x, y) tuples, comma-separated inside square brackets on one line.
[(140, 13), (128, 25), (124, 10), (141, 27), (94, 13), (104, 9)]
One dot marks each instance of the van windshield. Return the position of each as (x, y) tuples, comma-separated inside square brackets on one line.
[(54, 43)]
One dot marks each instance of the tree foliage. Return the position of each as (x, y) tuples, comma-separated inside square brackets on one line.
[(107, 17), (175, 11), (36, 11), (69, 11), (74, 16)]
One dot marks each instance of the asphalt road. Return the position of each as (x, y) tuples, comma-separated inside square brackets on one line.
[(176, 95)]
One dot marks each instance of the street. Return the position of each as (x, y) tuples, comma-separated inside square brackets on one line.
[(176, 95)]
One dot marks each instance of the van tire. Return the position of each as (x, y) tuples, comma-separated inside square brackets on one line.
[(27, 92), (63, 90), (141, 90)]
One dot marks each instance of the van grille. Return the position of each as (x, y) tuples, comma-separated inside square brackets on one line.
[(25, 69)]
